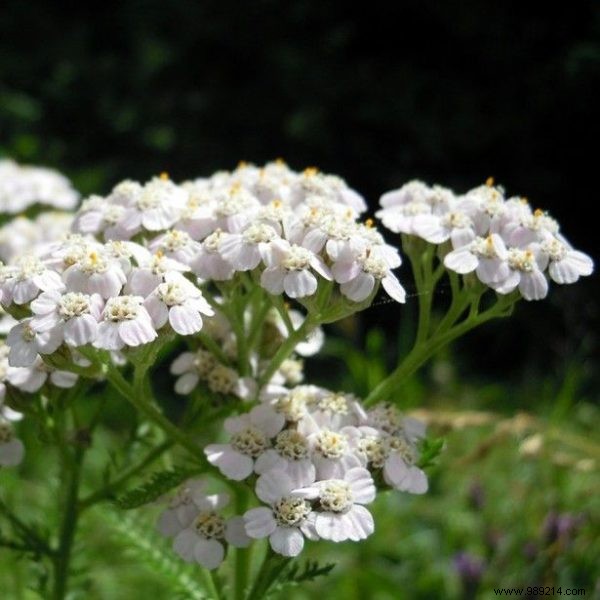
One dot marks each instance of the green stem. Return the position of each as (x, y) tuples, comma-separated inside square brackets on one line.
[(107, 491), (425, 350), (71, 478), (258, 322), (422, 265), (212, 346), (242, 555), (286, 348), (135, 395), (271, 568), (210, 583)]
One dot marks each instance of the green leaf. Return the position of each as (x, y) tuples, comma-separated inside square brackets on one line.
[(430, 449), (295, 574), (150, 550), (159, 483)]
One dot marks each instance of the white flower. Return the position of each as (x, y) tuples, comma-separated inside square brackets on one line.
[(566, 264), (75, 316), (11, 448), (125, 322), (31, 379), (233, 209), (26, 342), (98, 216), (17, 237), (179, 302), (245, 250), (202, 539), (251, 435), (175, 244), (358, 268), (289, 269), (184, 506), (333, 452), (208, 263), (401, 207), (335, 410), (190, 367), (150, 273), (341, 515), (22, 186), (290, 453), (487, 256), (155, 207), (396, 457), (289, 518), (24, 280), (95, 272), (399, 468), (527, 227), (312, 183), (526, 273), (222, 379), (456, 225)]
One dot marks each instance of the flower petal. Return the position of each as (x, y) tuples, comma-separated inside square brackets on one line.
[(259, 522), (287, 541)]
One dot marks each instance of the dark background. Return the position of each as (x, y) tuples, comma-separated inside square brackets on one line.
[(450, 92)]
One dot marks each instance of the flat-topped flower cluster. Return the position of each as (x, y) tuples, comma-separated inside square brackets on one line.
[(291, 229), (314, 459), (506, 243), (24, 186)]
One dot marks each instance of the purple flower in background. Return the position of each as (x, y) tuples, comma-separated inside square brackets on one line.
[(470, 568), (561, 527)]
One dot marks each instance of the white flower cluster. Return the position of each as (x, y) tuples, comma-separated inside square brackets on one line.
[(23, 186), (292, 229), (502, 240), (11, 448), (319, 458), (195, 522), (20, 235), (18, 238), (112, 295), (192, 367)]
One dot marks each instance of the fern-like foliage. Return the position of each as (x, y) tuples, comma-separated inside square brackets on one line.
[(159, 483), (283, 573), (295, 574), (150, 550), (430, 450)]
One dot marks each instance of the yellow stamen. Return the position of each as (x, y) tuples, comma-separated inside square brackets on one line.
[(369, 223), (164, 176), (310, 171), (538, 212), (489, 181)]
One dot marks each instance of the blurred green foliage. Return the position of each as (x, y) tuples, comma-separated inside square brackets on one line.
[(516, 492)]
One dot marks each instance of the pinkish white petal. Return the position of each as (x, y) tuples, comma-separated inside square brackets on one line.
[(287, 541)]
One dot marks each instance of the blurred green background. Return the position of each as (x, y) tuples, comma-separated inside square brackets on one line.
[(449, 92)]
